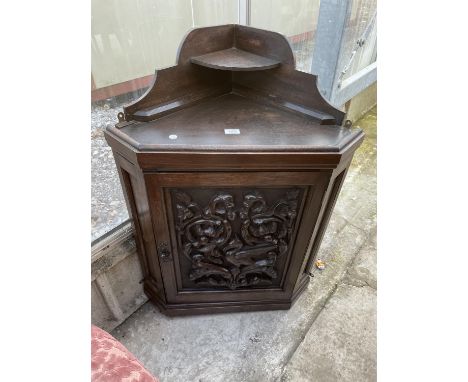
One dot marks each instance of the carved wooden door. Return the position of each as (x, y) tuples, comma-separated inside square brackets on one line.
[(233, 234)]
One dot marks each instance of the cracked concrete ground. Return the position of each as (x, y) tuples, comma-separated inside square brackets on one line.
[(328, 335)]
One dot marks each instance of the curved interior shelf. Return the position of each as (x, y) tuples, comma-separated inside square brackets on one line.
[(236, 60)]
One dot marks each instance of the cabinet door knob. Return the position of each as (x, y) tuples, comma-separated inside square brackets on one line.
[(164, 252)]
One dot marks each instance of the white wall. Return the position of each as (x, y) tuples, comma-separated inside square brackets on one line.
[(130, 39), (291, 17)]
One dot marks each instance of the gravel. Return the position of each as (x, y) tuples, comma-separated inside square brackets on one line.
[(108, 208)]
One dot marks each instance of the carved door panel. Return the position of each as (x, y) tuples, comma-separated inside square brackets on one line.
[(233, 233)]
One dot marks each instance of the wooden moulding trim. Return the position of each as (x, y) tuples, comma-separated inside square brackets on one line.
[(178, 161), (212, 305), (159, 110), (177, 310), (186, 179), (121, 146), (152, 162), (158, 161), (219, 307), (319, 116), (227, 148), (351, 147)]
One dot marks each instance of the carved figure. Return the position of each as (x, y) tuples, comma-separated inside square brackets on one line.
[(221, 257)]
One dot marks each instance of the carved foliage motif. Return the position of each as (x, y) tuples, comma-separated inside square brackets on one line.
[(224, 256)]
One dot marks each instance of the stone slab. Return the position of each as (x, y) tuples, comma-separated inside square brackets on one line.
[(363, 270), (341, 345)]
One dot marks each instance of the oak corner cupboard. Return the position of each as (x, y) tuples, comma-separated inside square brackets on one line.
[(231, 164)]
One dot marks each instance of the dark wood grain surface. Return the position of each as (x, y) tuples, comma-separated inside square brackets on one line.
[(261, 127), (236, 60)]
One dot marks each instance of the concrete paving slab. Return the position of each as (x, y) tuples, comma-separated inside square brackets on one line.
[(363, 270), (341, 345)]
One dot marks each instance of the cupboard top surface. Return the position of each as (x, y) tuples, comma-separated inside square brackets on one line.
[(234, 123)]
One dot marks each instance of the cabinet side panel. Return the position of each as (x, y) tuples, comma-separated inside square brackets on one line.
[(335, 190), (308, 224), (130, 197), (137, 203)]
